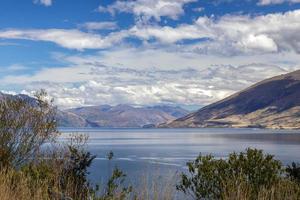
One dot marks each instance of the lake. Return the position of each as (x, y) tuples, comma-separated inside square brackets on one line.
[(153, 153)]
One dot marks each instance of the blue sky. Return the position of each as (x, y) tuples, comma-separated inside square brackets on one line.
[(145, 52)]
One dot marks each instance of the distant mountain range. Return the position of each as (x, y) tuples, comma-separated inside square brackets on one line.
[(272, 103), (119, 116)]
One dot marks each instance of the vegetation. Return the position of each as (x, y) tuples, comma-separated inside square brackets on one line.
[(247, 175), (294, 172), (34, 166), (25, 125)]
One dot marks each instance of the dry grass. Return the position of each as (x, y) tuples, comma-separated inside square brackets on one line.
[(17, 186), (156, 187), (239, 190)]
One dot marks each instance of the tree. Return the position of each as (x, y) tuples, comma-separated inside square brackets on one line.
[(25, 125)]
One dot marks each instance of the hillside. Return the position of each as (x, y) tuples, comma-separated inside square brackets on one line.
[(272, 103)]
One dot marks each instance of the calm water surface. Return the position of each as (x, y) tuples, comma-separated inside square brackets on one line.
[(148, 153)]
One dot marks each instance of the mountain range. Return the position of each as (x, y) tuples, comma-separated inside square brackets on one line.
[(272, 103), (106, 116), (119, 116)]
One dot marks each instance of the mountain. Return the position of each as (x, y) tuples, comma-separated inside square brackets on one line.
[(173, 111), (68, 119), (272, 103), (122, 116), (64, 118)]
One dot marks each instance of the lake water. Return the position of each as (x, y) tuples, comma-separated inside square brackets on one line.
[(149, 153)]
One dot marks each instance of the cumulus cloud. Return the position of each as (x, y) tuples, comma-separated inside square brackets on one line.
[(43, 2), (146, 77), (149, 9), (233, 33), (168, 34), (99, 25), (189, 86), (268, 2), (229, 34)]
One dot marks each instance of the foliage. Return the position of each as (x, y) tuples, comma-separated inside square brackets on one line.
[(113, 188), (208, 175), (75, 168), (25, 125), (293, 171), (57, 172)]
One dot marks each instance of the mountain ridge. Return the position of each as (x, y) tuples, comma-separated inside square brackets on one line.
[(271, 103), (107, 116), (127, 116)]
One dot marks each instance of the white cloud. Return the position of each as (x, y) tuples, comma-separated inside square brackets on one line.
[(268, 2), (43, 2), (168, 34), (149, 76), (68, 38), (234, 34), (148, 9), (115, 86), (99, 25), (229, 35), (13, 68)]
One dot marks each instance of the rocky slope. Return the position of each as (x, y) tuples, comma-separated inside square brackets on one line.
[(272, 103)]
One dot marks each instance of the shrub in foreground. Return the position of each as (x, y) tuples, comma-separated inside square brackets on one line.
[(293, 172), (247, 175)]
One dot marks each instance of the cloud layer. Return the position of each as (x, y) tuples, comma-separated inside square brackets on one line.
[(230, 34), (146, 77)]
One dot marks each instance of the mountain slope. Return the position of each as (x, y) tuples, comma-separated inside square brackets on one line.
[(68, 119), (127, 116), (272, 103)]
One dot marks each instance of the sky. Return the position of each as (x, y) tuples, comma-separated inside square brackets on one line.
[(145, 52)]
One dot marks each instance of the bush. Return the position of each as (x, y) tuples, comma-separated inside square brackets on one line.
[(293, 171), (251, 170), (25, 125)]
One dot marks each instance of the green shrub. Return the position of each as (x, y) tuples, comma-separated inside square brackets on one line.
[(293, 171), (207, 175)]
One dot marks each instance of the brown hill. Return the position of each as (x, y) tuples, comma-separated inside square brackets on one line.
[(272, 103)]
